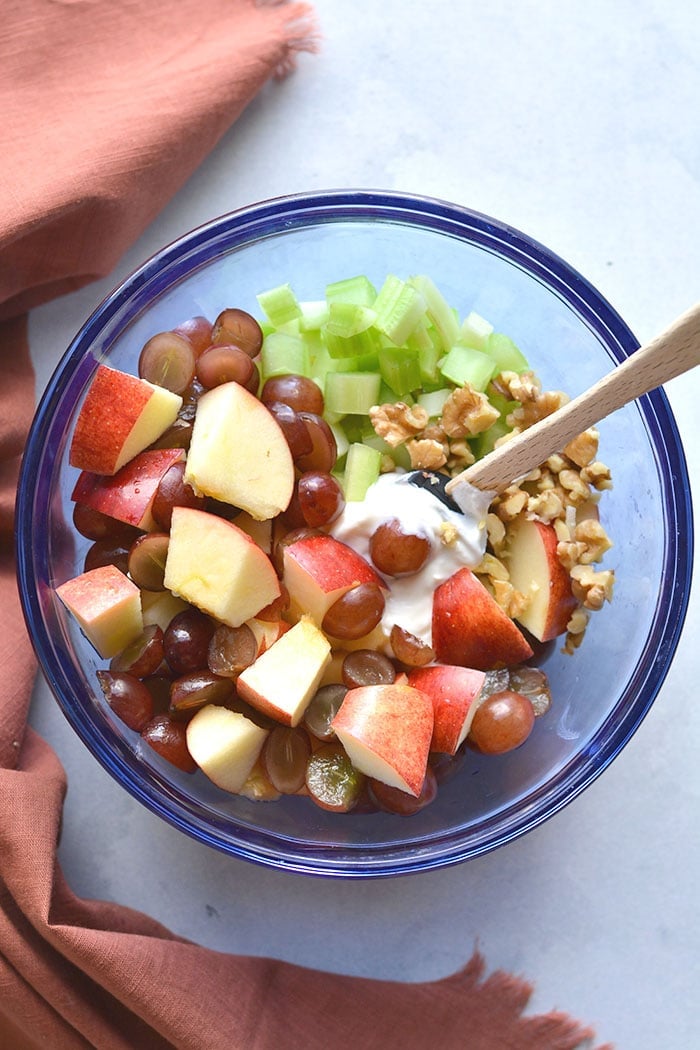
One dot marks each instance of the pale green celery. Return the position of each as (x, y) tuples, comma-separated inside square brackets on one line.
[(438, 310), (279, 304), (428, 358), (399, 454), (341, 439), (357, 428), (386, 395), (313, 315), (484, 442), (358, 290), (475, 332), (361, 470), (506, 354), (283, 354), (349, 319), (433, 400), (359, 345), (423, 336), (465, 365), (351, 393), (400, 369), (399, 308)]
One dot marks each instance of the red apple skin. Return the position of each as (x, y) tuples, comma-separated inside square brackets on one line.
[(128, 495), (111, 408), (453, 691), (395, 722), (471, 630), (550, 574), (329, 569)]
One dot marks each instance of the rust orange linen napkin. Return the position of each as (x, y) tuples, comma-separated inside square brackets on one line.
[(107, 108)]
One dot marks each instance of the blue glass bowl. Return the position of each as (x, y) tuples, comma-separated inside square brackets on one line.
[(571, 335)]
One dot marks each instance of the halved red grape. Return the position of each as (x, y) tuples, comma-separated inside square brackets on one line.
[(225, 363), (173, 491), (239, 328), (502, 722), (332, 781), (293, 427), (197, 330), (186, 640), (324, 448), (393, 800), (129, 698), (231, 650), (320, 496), (322, 710), (168, 360), (355, 614), (191, 691), (409, 649), (142, 657), (285, 756), (147, 560), (169, 739), (94, 525), (299, 392), (396, 551), (367, 667), (532, 682), (103, 552)]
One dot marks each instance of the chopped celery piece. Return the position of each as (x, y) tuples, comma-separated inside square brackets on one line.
[(438, 310), (351, 393), (349, 319), (484, 442), (358, 290), (399, 454), (357, 428), (361, 470), (358, 345), (428, 358), (433, 401), (279, 304), (506, 354), (341, 441), (386, 394), (400, 369), (465, 365), (284, 354), (313, 315), (399, 308), (475, 331)]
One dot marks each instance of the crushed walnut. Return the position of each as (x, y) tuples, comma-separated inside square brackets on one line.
[(467, 412), (398, 422)]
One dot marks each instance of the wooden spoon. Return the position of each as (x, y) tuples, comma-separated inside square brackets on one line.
[(675, 351)]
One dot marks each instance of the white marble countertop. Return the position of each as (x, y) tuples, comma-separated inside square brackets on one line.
[(576, 123)]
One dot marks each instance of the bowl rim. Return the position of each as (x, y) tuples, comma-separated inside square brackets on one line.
[(286, 213)]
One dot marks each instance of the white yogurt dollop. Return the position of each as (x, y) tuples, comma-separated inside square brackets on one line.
[(456, 540)]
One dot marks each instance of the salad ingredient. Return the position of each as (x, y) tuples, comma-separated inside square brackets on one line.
[(537, 572), (192, 691), (396, 551), (332, 780), (129, 494), (471, 629), (146, 561), (323, 708), (238, 453), (128, 697), (238, 328), (408, 649), (386, 731), (227, 364), (107, 606), (293, 427), (224, 744), (502, 722), (168, 738), (284, 678), (168, 360), (454, 692), (198, 332), (318, 570), (217, 567), (285, 756), (367, 667), (139, 412), (95, 525), (143, 656), (393, 800), (173, 491), (356, 613), (324, 448), (186, 641), (297, 391), (320, 497), (231, 650)]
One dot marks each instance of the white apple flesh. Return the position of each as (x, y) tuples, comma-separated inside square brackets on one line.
[(225, 745), (284, 678), (217, 567), (238, 453), (107, 606), (386, 731), (120, 417), (536, 571)]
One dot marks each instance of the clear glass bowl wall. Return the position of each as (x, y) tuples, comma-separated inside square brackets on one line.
[(571, 336)]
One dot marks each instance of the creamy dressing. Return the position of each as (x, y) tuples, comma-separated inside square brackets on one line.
[(456, 540)]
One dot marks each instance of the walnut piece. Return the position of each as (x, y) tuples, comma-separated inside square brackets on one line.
[(592, 588), (467, 412), (584, 448), (426, 454), (398, 422)]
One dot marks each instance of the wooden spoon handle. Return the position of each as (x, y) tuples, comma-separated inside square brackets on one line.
[(670, 354)]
